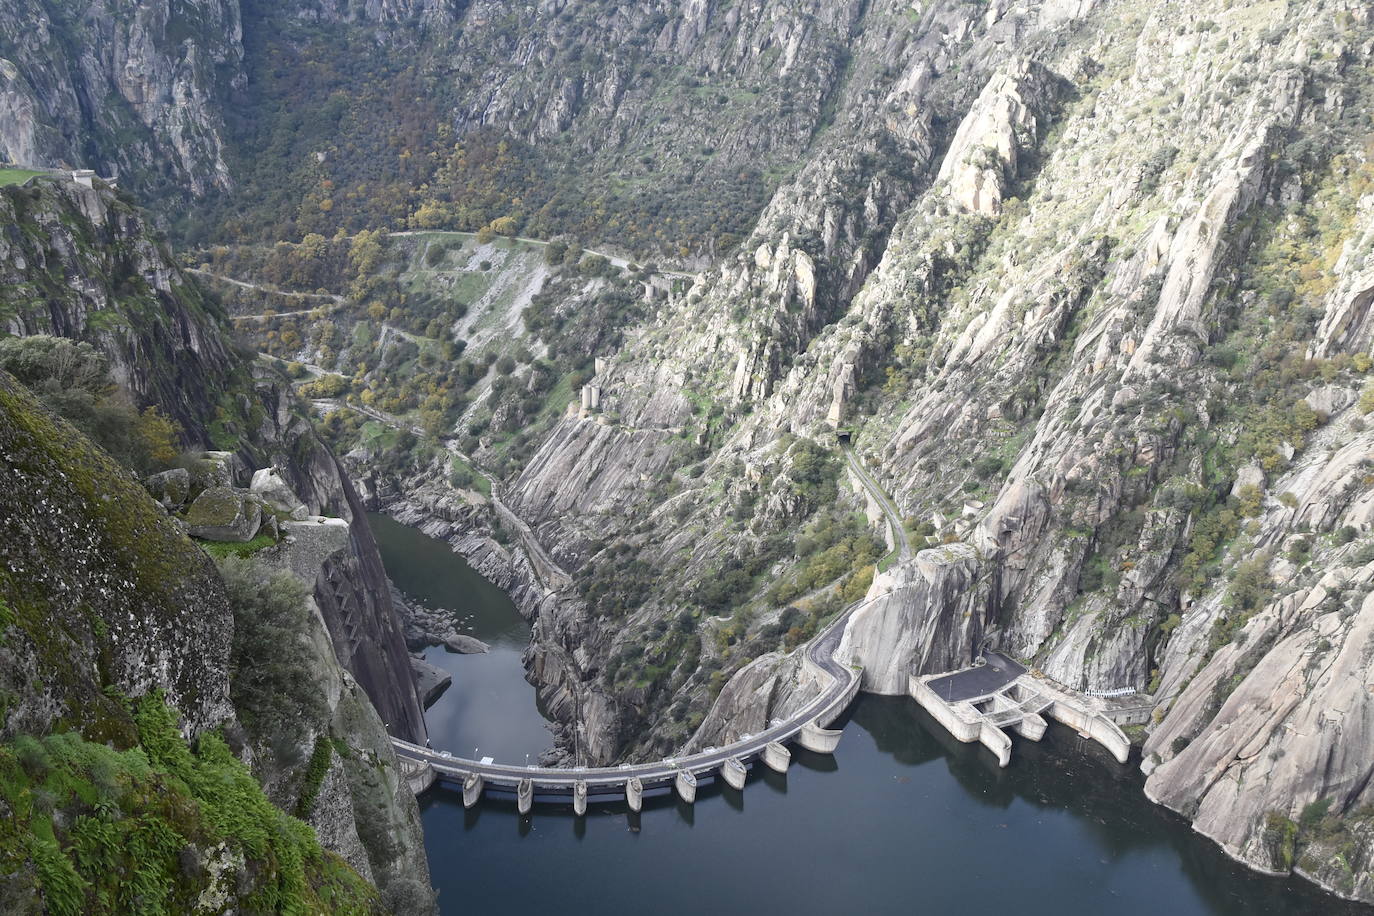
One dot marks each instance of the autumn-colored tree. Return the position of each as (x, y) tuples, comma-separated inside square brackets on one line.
[(159, 433)]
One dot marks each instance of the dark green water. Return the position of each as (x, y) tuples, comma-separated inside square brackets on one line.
[(901, 820), (490, 708)]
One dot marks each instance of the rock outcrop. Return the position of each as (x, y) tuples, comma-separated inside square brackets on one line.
[(104, 604), (123, 89), (922, 617), (81, 263)]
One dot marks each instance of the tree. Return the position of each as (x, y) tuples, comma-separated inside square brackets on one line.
[(270, 688), (159, 436)]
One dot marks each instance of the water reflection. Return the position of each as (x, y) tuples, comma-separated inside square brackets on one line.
[(901, 820), (490, 710)]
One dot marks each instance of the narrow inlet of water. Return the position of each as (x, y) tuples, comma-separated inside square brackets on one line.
[(490, 710)]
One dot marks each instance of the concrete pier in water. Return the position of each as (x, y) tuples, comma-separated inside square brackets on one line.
[(776, 757), (820, 740), (734, 773), (580, 797), (524, 795), (686, 786), (472, 789), (634, 794)]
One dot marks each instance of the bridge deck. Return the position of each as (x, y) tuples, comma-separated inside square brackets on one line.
[(823, 708)]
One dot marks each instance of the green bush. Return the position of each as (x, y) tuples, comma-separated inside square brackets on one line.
[(272, 691), (72, 380), (315, 773), (109, 830), (1280, 839), (1313, 813)]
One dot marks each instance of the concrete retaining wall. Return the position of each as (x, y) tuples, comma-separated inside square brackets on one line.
[(995, 740), (1134, 715), (965, 730), (776, 757), (821, 740), (1095, 725), (1032, 727)]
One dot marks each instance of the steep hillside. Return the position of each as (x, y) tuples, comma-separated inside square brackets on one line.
[(1111, 337), (81, 263), (117, 718), (126, 89)]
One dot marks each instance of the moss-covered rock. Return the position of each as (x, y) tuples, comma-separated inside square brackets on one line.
[(224, 514), (104, 590), (171, 488), (160, 827)]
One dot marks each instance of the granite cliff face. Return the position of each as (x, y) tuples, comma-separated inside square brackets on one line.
[(1109, 338), (80, 263), (126, 89), (1088, 283)]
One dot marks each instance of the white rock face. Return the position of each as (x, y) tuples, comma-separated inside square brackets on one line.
[(985, 149), (922, 617), (268, 484)]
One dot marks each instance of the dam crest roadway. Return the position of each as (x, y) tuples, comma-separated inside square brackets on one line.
[(974, 704)]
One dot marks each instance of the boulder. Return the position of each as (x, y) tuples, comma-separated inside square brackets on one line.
[(466, 645), (213, 469), (224, 514), (171, 488), (268, 485), (1330, 400), (1252, 475), (430, 681)]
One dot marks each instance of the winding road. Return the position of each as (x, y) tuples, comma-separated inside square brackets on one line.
[(557, 783), (901, 544), (272, 290), (822, 709)]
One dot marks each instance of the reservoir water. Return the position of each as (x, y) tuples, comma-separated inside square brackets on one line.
[(490, 707), (901, 819)]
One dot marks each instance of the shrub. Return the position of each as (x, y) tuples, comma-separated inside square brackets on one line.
[(1313, 813), (109, 830), (1367, 398), (271, 689), (71, 379), (1280, 838), (1250, 584)]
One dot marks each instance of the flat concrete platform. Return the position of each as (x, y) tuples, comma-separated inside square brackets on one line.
[(998, 672)]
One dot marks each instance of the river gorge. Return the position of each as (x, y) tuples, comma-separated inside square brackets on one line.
[(901, 816)]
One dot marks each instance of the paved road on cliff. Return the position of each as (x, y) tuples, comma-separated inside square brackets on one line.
[(822, 709)]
